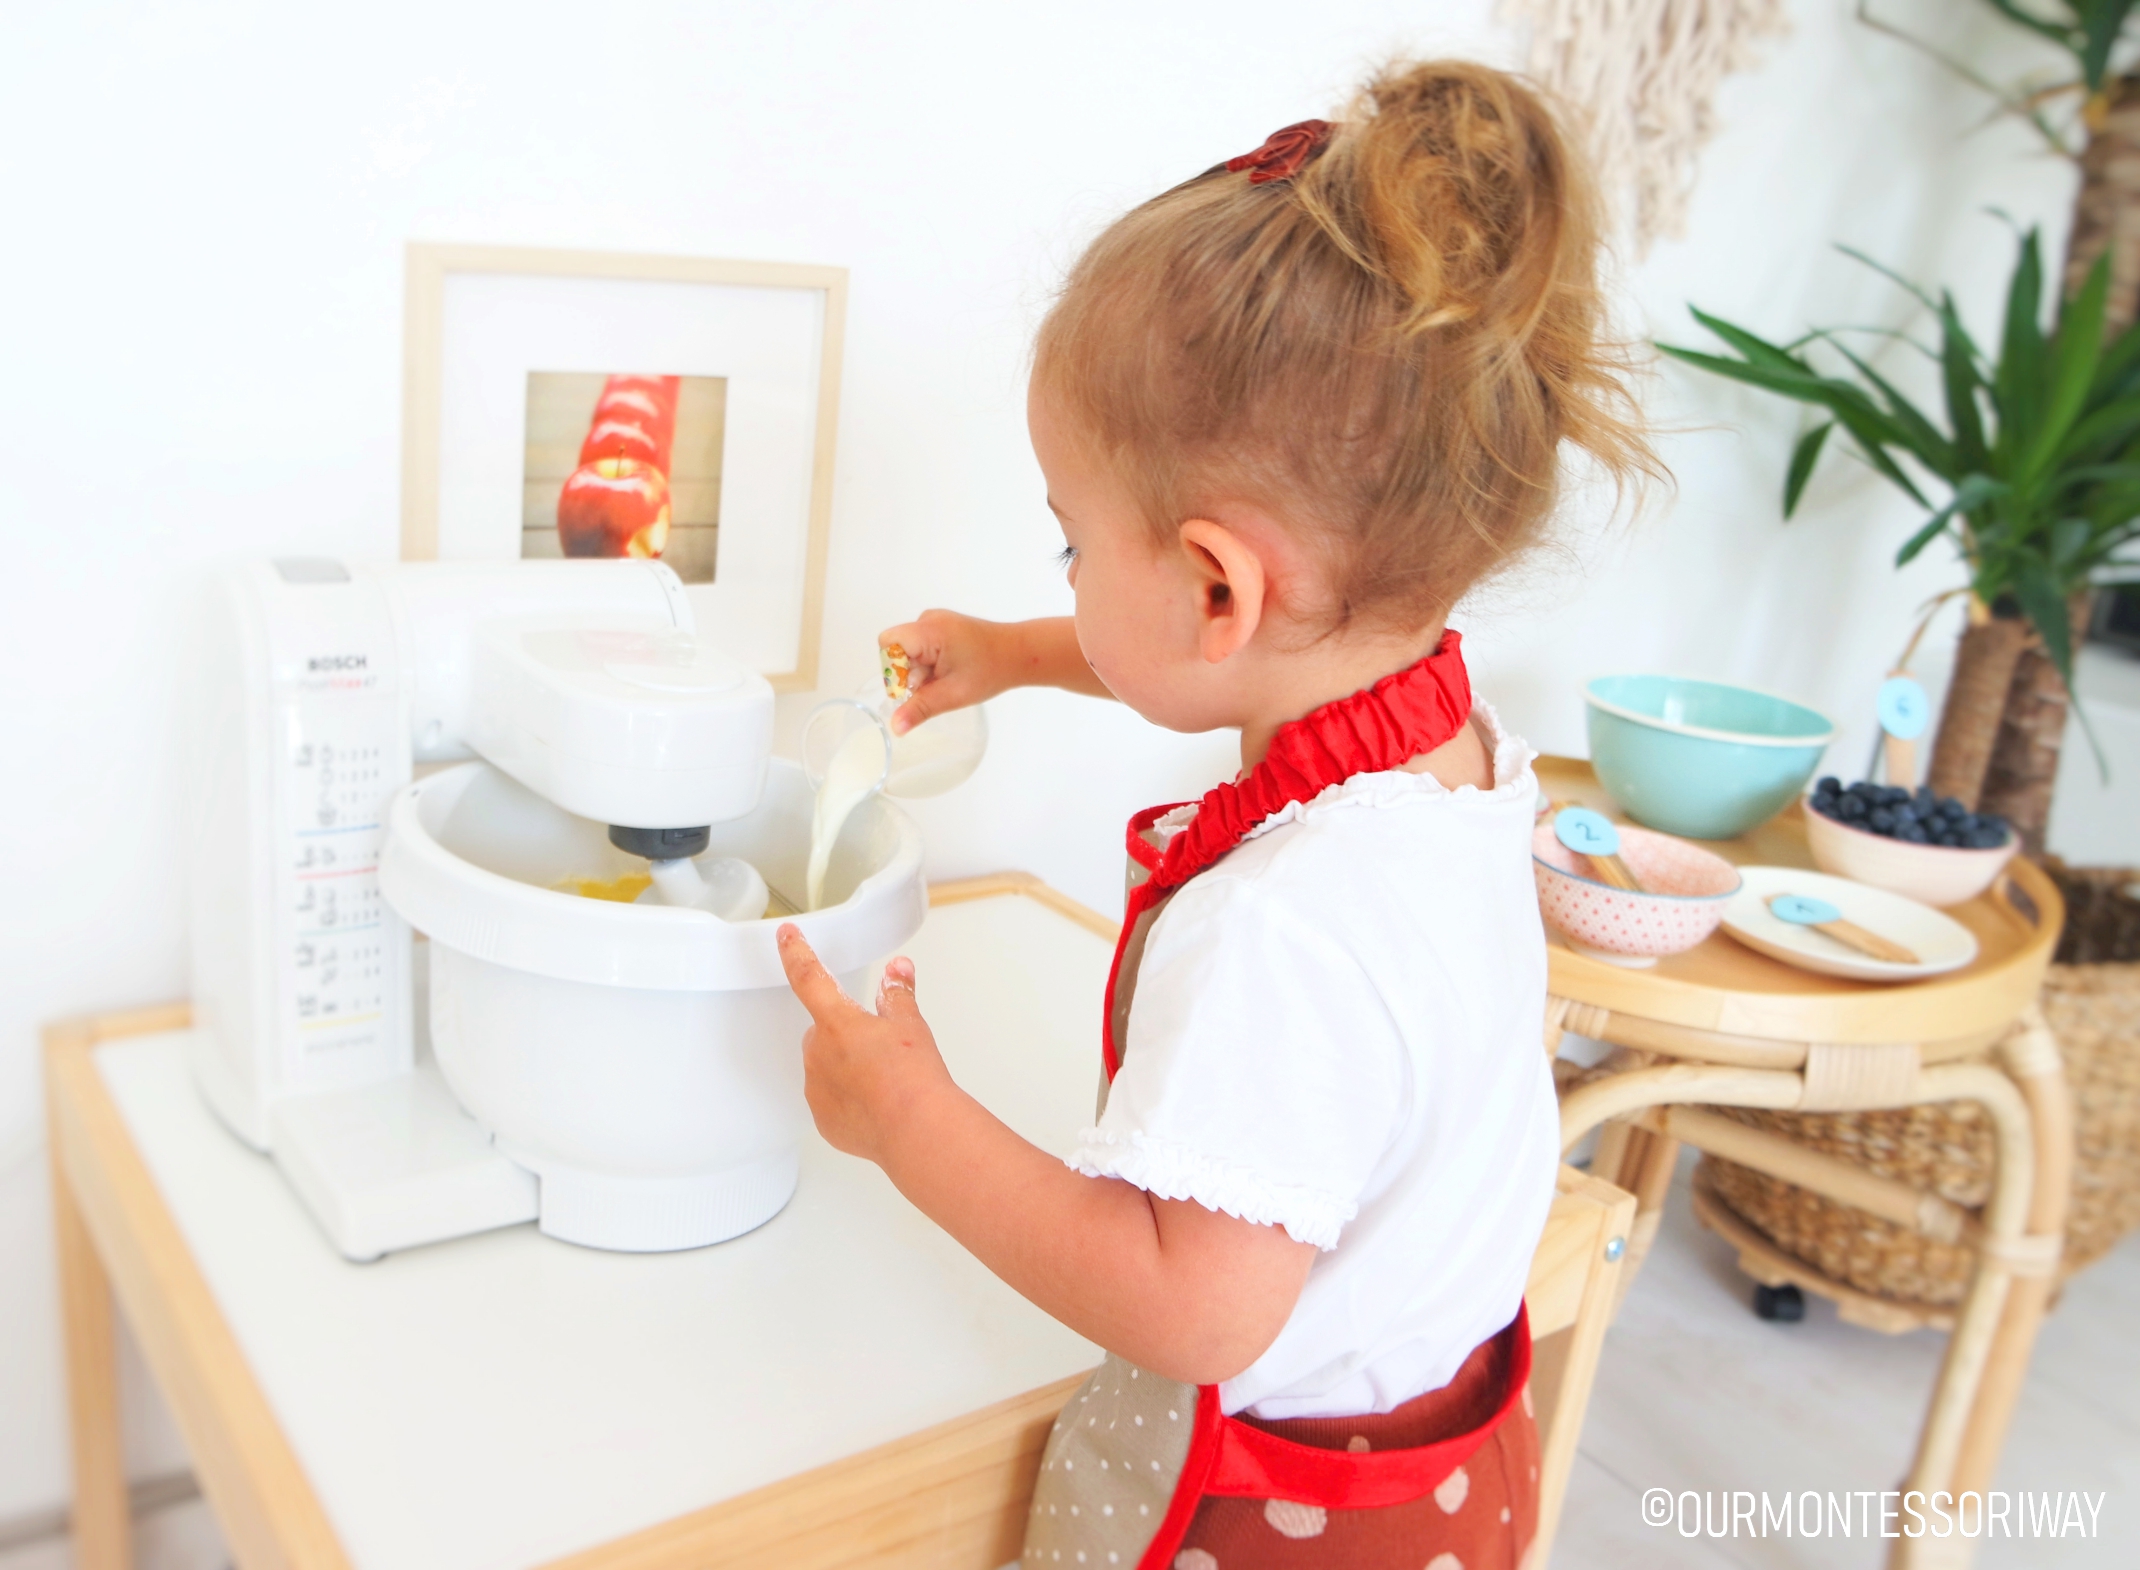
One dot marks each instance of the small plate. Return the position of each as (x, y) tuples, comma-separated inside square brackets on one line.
[(1943, 943)]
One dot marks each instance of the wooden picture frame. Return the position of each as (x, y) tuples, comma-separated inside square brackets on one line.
[(430, 267)]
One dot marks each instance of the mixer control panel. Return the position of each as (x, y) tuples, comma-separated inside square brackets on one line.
[(344, 751)]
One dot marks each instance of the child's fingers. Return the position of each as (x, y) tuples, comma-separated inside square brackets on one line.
[(939, 695), (922, 647), (812, 983), (895, 993), (926, 701)]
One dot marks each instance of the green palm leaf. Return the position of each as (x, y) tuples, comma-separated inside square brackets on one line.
[(2070, 364), (1972, 492), (2039, 449), (2017, 385), (1803, 457)]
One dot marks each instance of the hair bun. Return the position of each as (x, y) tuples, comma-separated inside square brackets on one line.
[(1451, 180)]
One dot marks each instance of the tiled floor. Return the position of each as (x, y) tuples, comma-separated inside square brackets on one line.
[(1695, 1393)]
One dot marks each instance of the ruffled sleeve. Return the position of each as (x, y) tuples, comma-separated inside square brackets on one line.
[(1264, 1076)]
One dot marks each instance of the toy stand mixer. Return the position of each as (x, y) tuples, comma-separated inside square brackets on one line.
[(627, 1074)]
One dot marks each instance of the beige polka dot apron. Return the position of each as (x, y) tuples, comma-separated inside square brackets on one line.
[(1147, 1472)]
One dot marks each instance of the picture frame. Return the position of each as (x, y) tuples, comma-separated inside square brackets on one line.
[(508, 349)]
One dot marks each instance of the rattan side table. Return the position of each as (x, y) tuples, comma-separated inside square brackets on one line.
[(1724, 1026)]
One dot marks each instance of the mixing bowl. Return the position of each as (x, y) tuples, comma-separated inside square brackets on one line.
[(644, 1061), (1681, 901), (1700, 758)]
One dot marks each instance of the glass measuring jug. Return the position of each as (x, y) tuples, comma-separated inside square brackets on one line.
[(849, 754)]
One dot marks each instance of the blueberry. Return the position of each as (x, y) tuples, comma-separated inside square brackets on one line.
[(1948, 838), (1951, 809), (1850, 807), (1913, 833), (1880, 820), (1894, 795), (1829, 786), (1985, 839), (1862, 790), (1825, 806)]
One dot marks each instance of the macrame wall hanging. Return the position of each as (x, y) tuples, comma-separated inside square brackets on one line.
[(1643, 74)]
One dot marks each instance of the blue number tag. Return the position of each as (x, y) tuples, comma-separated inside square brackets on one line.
[(1803, 911), (1585, 832), (1904, 708)]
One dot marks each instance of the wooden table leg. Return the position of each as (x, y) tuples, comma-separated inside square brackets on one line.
[(2034, 1061), (1608, 1158), (1647, 1174), (1568, 1354), (103, 1529), (2009, 1261)]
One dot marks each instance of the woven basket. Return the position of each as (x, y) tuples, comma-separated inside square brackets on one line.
[(1947, 1149)]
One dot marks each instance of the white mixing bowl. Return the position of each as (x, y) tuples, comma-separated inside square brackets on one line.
[(643, 1061)]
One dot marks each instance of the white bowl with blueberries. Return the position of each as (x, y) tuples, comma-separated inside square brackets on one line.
[(1929, 848)]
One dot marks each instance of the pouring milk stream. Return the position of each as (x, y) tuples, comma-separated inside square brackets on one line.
[(860, 764), (850, 753)]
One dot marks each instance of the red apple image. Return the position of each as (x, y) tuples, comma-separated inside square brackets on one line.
[(614, 507), (647, 402), (612, 438)]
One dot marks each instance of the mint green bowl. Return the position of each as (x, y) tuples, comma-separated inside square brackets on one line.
[(1699, 758)]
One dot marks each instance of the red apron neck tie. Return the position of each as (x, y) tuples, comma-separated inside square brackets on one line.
[(1400, 717)]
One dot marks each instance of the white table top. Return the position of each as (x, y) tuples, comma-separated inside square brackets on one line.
[(501, 1400)]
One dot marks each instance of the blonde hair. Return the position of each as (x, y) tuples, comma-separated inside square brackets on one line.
[(1388, 349)]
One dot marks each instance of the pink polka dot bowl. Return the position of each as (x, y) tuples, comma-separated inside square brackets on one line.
[(1684, 889)]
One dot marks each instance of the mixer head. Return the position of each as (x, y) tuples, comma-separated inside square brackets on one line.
[(661, 844), (637, 725)]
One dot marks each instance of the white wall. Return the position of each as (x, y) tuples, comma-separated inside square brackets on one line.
[(200, 355)]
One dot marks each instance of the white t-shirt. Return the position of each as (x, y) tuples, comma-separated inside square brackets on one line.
[(1337, 1030)]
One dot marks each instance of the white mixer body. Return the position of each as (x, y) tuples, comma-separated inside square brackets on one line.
[(642, 1060), (637, 1063), (654, 1120)]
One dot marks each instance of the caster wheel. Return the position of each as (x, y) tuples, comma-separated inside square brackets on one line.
[(1784, 1305)]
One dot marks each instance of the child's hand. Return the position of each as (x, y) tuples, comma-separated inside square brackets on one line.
[(862, 1072), (953, 661)]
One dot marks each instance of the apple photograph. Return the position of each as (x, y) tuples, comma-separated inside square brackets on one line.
[(624, 465)]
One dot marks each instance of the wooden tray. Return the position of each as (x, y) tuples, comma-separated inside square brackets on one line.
[(1722, 985)]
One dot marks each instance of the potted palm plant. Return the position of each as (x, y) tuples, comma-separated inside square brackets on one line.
[(2029, 469), (2091, 117)]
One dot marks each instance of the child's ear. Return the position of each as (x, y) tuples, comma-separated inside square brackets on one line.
[(1231, 587)]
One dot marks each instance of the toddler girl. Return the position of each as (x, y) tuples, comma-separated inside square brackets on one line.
[(1289, 413)]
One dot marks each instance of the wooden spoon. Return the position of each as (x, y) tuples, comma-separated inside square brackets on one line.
[(1802, 911), (1591, 835)]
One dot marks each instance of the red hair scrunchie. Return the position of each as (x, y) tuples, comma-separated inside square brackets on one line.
[(1283, 152)]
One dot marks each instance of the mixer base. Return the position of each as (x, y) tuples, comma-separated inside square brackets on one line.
[(395, 1164), (643, 1215)]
